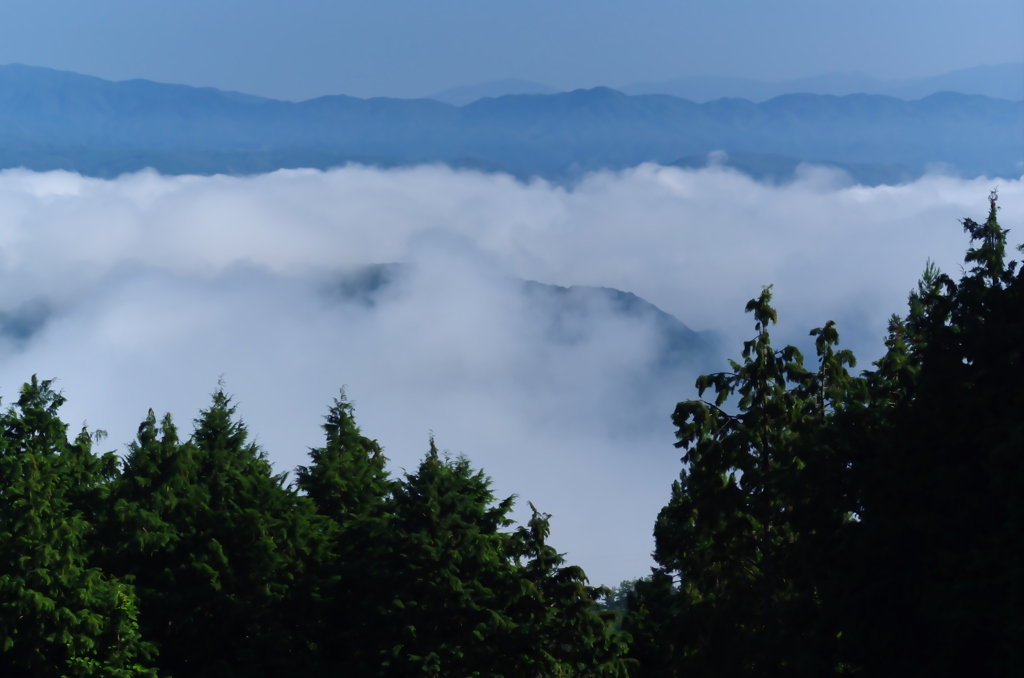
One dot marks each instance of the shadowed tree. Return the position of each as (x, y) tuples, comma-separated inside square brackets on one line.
[(556, 616), (350, 487), (60, 614), (450, 575), (735, 537), (219, 549), (836, 524), (932, 583), (470, 599)]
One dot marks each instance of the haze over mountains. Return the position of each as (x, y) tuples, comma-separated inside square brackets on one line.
[(59, 120), (467, 94), (1001, 81)]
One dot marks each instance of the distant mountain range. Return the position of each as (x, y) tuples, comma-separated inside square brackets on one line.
[(460, 96), (52, 119), (1002, 81)]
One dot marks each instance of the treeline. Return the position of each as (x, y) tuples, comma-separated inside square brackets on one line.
[(191, 558), (823, 524)]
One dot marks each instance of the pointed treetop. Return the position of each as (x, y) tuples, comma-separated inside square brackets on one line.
[(989, 255)]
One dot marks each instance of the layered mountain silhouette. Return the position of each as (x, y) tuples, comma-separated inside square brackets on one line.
[(1001, 81), (58, 120), (460, 96)]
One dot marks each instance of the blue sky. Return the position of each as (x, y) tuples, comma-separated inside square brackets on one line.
[(306, 48)]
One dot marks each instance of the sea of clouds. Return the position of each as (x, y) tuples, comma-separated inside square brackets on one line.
[(142, 291)]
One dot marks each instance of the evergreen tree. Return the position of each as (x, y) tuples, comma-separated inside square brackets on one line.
[(832, 524), (737, 536), (937, 464), (219, 550), (450, 574), (470, 599), (347, 478), (350, 487), (556, 617), (654, 610), (60, 615)]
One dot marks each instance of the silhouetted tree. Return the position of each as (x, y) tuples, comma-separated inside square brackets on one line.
[(932, 578), (832, 524), (732, 536)]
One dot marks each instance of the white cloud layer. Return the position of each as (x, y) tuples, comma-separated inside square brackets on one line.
[(157, 285)]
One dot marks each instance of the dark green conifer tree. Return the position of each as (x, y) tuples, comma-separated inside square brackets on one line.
[(348, 483), (471, 599), (219, 549), (654, 611), (348, 477), (932, 576), (737, 534), (833, 524), (60, 614), (555, 619), (449, 573)]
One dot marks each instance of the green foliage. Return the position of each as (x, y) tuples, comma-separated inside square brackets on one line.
[(655, 607), (349, 485), (449, 573), (833, 524), (734, 532), (423, 577), (217, 546), (347, 478), (557, 613), (461, 596), (617, 599), (234, 574), (60, 615)]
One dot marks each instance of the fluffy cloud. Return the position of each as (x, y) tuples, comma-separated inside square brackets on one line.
[(139, 292)]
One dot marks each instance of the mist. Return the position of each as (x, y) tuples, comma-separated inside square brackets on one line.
[(140, 292)]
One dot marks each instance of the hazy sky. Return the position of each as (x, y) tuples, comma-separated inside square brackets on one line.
[(306, 48), (158, 285)]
